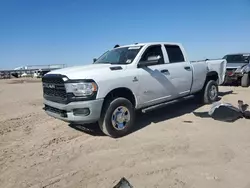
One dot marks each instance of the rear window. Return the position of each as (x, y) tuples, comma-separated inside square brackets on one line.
[(239, 58), (175, 54)]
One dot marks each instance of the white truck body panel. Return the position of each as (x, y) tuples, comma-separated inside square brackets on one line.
[(199, 70), (218, 66), (202, 67), (104, 77)]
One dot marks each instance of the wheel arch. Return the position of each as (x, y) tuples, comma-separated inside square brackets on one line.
[(212, 75), (121, 92)]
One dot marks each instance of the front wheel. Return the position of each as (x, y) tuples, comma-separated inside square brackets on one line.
[(117, 117)]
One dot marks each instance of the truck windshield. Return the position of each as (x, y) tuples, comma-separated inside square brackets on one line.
[(239, 58), (123, 55)]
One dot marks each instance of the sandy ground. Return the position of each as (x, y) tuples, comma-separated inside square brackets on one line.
[(169, 148)]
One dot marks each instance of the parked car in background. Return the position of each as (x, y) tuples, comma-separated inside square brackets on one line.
[(238, 68), (127, 78), (37, 74), (40, 73)]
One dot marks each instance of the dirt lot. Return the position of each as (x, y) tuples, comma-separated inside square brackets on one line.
[(169, 148)]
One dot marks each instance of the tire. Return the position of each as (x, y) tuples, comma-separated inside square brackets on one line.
[(110, 113), (245, 80), (205, 96)]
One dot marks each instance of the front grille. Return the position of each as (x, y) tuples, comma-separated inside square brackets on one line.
[(54, 88), (55, 92), (62, 113)]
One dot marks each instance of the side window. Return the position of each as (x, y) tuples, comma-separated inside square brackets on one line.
[(175, 54), (153, 51)]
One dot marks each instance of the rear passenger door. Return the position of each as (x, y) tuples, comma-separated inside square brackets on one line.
[(179, 70)]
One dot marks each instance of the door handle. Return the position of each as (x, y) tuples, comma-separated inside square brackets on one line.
[(187, 68), (164, 71)]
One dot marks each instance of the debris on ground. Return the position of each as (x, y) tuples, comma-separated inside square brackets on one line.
[(123, 183), (226, 112)]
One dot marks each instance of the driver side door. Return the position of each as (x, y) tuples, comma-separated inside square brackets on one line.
[(153, 85)]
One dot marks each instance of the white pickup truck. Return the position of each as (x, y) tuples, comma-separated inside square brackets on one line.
[(129, 78)]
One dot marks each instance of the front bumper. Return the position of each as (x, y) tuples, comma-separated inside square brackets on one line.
[(67, 112), (232, 75)]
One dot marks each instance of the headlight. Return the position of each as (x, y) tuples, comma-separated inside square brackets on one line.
[(81, 89), (238, 70)]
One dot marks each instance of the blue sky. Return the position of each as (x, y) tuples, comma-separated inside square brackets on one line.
[(75, 31)]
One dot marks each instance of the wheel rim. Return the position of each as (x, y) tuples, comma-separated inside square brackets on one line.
[(120, 118), (213, 92)]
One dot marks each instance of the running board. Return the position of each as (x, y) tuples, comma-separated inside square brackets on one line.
[(161, 105)]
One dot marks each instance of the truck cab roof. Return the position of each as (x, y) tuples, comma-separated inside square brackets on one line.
[(151, 43), (239, 54)]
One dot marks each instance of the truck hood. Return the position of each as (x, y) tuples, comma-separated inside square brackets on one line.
[(86, 71), (235, 65)]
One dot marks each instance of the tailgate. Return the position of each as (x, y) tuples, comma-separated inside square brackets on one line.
[(219, 66)]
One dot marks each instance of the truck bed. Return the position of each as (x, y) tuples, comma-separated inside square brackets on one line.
[(200, 68), (218, 65)]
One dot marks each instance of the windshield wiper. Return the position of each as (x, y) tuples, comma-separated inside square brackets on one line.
[(103, 62), (115, 63)]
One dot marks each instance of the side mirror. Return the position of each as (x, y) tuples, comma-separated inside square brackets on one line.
[(152, 60), (94, 60)]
